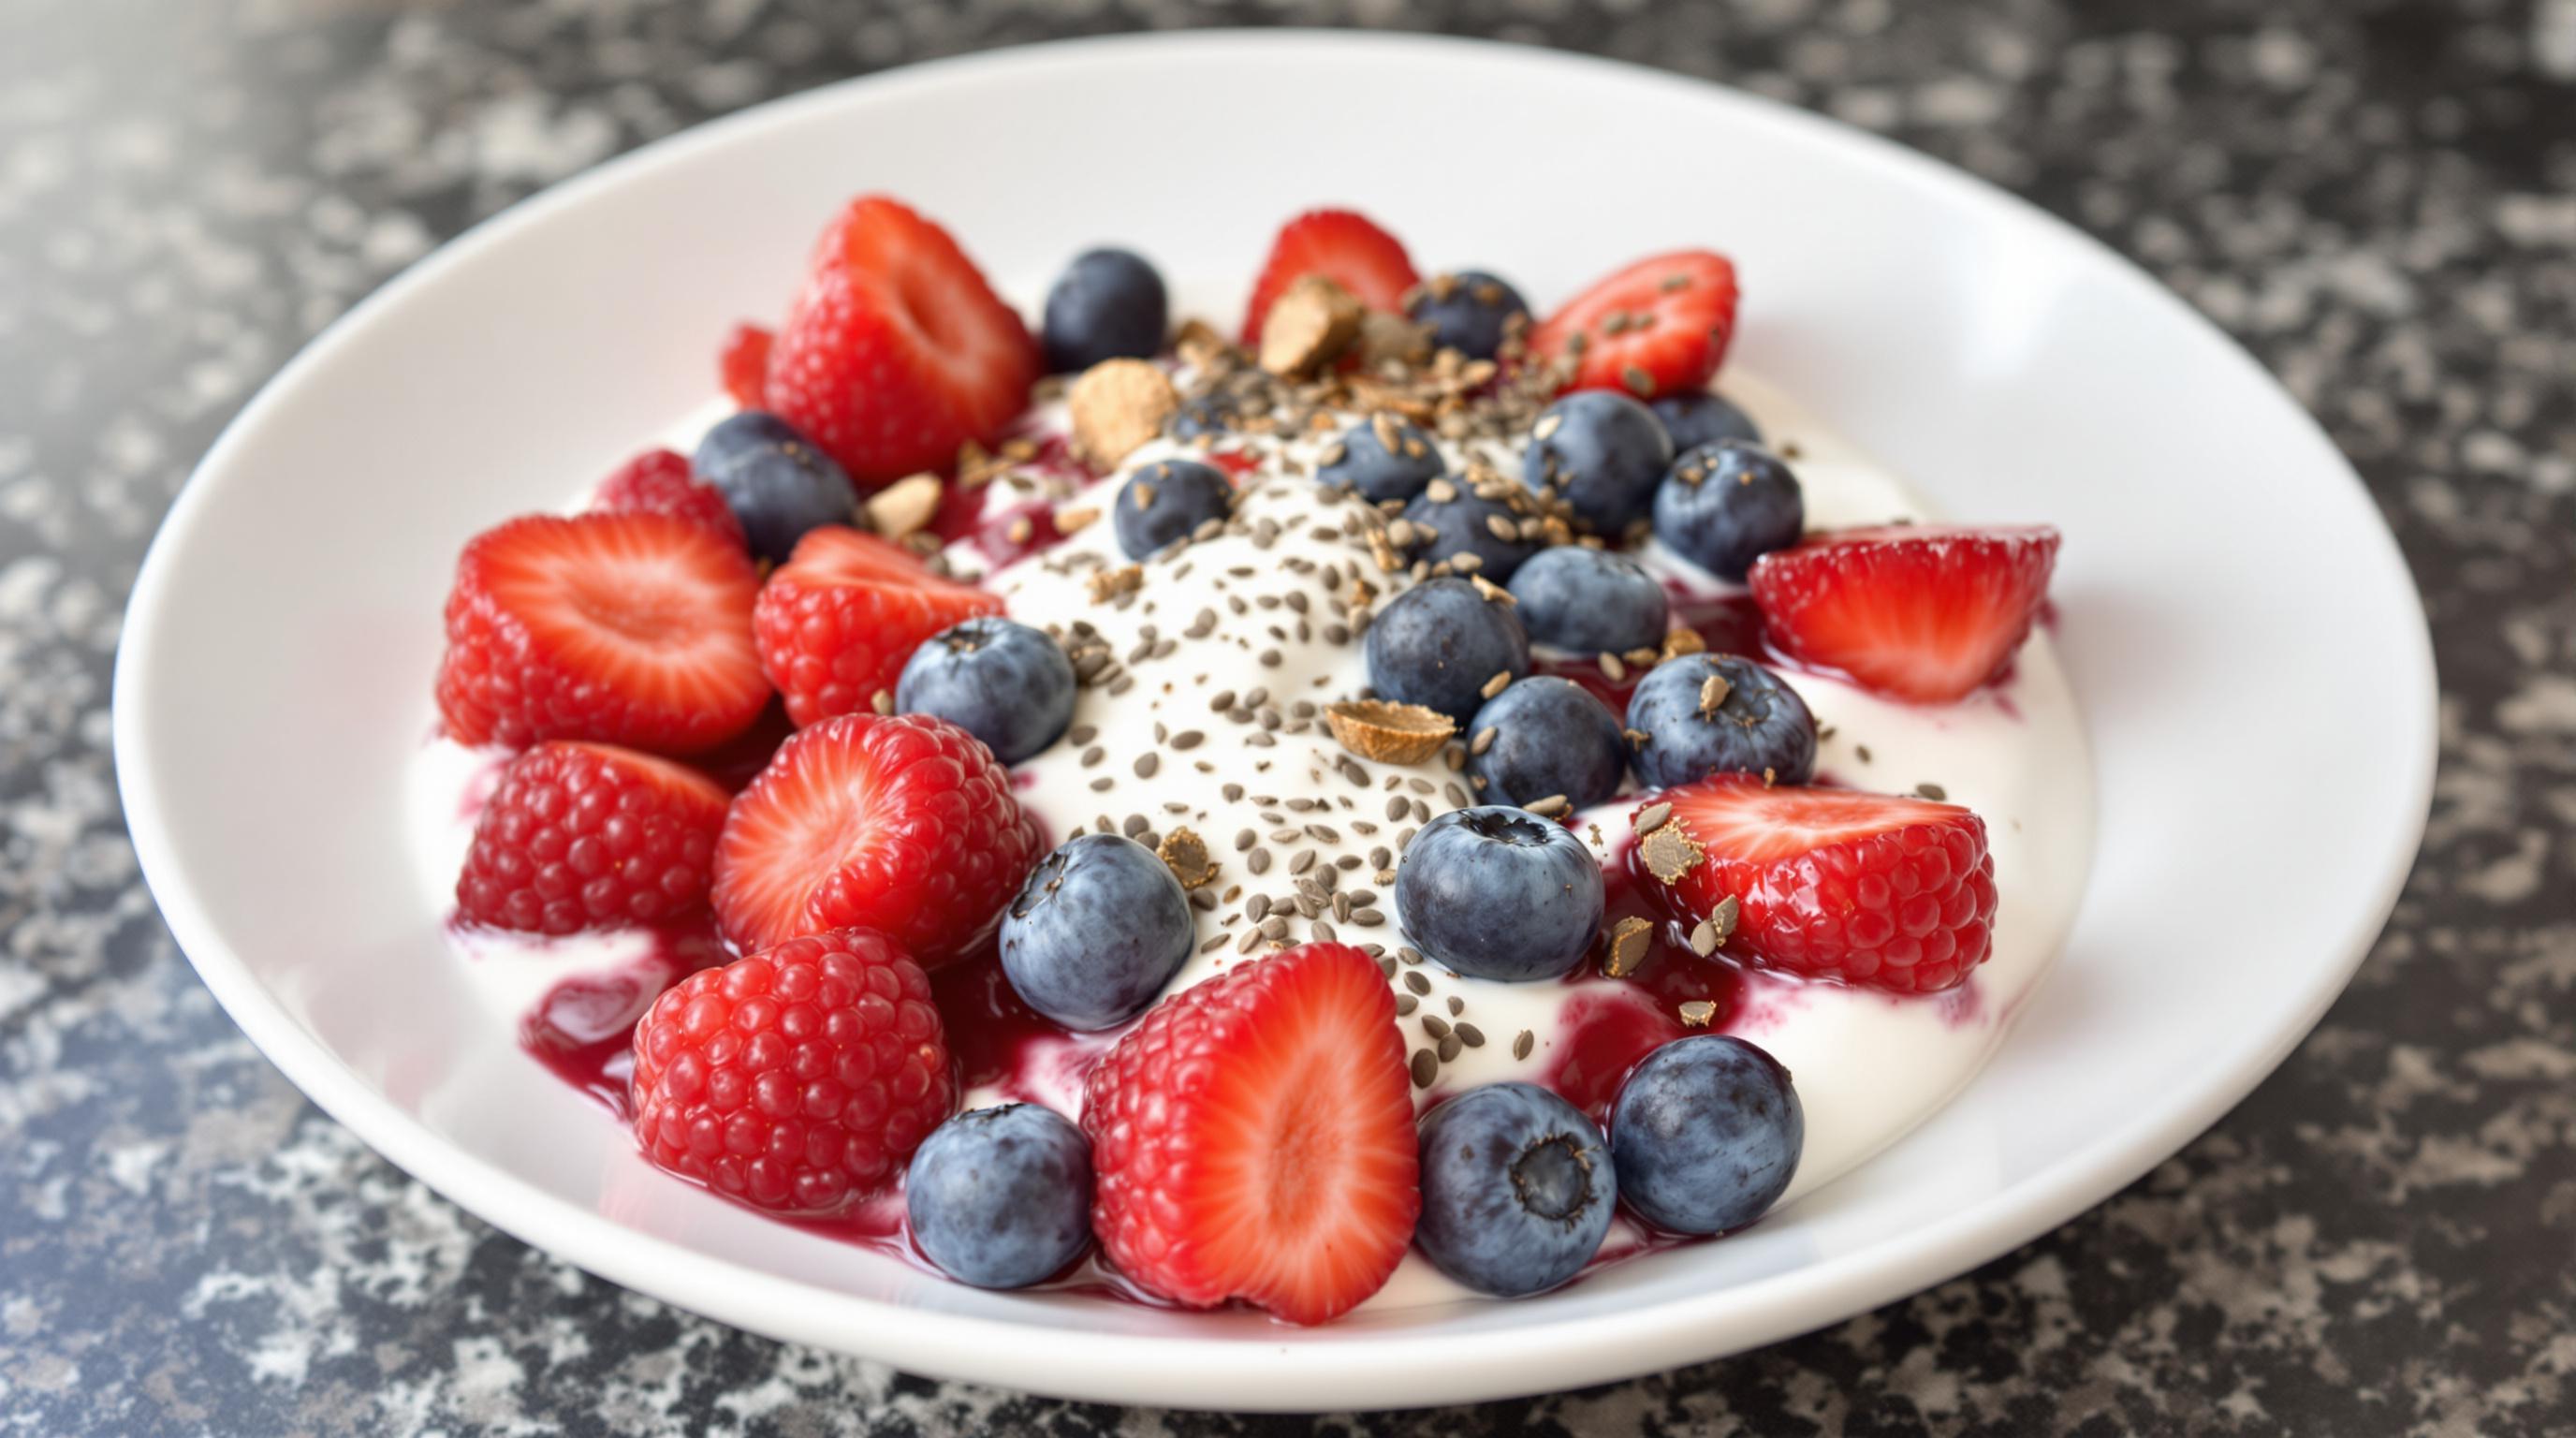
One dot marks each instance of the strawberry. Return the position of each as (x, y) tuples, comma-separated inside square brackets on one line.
[(630, 629), (1829, 883), (837, 621), (896, 351), (1341, 245), (660, 479), (743, 365), (1916, 612), (903, 824), (1673, 314), (590, 836), (1252, 1137)]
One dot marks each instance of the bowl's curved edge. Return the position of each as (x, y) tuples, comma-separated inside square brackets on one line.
[(1363, 1370)]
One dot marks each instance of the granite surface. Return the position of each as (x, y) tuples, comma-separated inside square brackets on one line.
[(2379, 198)]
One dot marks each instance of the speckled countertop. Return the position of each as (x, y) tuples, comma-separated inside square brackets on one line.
[(2378, 197)]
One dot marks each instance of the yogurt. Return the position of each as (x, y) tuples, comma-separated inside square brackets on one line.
[(1206, 714)]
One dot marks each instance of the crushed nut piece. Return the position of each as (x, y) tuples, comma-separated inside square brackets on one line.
[(1712, 695), (1074, 517), (1186, 855), (1697, 1013), (1626, 947), (904, 506), (1670, 852), (1309, 326), (1117, 405), (1683, 641), (1108, 584), (1391, 733)]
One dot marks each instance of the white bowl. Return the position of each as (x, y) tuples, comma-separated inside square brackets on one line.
[(2249, 653)]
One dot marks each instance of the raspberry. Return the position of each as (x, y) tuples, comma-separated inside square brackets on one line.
[(660, 481), (797, 1079), (589, 836), (902, 824), (744, 366)]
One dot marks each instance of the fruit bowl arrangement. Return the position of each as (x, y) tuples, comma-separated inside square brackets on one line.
[(1467, 677)]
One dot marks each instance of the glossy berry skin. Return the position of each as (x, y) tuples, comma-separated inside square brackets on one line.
[(1439, 643), (1517, 1189), (1096, 932), (1760, 728), (1377, 473), (1005, 683), (837, 624), (1551, 738), (895, 351), (1000, 1197), (1469, 312), (588, 836), (1499, 893), (1706, 1134), (1603, 454), (1590, 601), (1726, 505), (742, 365), (1660, 326), (1465, 523), (778, 484), (796, 1079), (631, 629), (1925, 613), (903, 824), (1108, 304), (1887, 892), (1166, 501), (1343, 246), (1698, 417), (1252, 1137), (661, 481)]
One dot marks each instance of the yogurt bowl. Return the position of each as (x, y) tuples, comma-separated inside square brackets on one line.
[(270, 689)]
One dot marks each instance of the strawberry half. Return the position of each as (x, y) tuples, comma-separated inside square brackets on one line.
[(1920, 612), (902, 824), (1345, 247), (1252, 1137), (1658, 327), (630, 629), (1829, 883), (837, 621), (896, 351)]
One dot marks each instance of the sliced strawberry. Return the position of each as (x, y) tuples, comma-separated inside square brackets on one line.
[(1919, 612), (661, 480), (744, 365), (902, 824), (1658, 327), (896, 351), (1252, 1137), (838, 620), (630, 629), (1345, 247), (1829, 883)]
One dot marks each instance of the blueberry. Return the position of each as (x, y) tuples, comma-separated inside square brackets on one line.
[(1517, 1189), (1438, 643), (1109, 304), (1499, 893), (1167, 500), (1551, 737), (1699, 418), (1207, 416), (1726, 505), (1602, 453), (1377, 472), (1464, 524), (774, 479), (1001, 1197), (1759, 724), (1004, 683), (1706, 1134), (1098, 929), (1469, 312), (1590, 601)]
